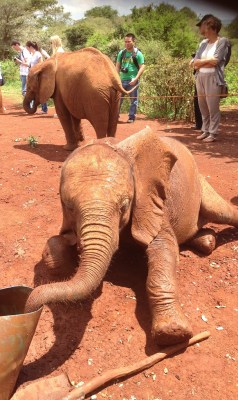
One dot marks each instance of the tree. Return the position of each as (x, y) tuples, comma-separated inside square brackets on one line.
[(48, 13), (12, 16), (232, 28), (189, 13), (44, 17), (104, 11), (77, 36), (166, 24)]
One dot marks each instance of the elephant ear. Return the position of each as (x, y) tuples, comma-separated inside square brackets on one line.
[(45, 73), (152, 162)]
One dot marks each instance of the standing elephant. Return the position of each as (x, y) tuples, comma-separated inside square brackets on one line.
[(146, 188), (84, 85)]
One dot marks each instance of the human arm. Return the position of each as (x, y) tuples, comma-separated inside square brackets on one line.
[(23, 58), (45, 54), (20, 62), (223, 50), (206, 62), (140, 72)]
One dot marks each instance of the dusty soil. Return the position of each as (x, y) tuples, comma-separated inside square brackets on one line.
[(112, 328)]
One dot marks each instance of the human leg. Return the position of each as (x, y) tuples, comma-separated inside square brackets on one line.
[(44, 108), (202, 102), (213, 103), (23, 84), (1, 103), (125, 85), (134, 104)]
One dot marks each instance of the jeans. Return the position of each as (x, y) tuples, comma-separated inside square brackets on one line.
[(23, 84), (133, 98), (44, 107)]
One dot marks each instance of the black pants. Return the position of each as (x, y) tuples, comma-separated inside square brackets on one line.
[(197, 112)]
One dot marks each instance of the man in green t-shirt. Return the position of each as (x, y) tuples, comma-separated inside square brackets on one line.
[(130, 66)]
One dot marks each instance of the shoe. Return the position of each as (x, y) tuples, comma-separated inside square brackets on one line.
[(210, 139), (195, 128), (130, 121), (204, 135), (41, 112)]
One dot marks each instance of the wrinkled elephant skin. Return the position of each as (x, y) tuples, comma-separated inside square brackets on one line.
[(151, 186), (84, 85)]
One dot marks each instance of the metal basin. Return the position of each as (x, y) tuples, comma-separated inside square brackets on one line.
[(16, 332)]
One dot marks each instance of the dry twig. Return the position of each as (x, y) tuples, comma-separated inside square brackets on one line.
[(95, 383)]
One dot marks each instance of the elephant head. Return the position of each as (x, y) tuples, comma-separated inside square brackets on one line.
[(104, 188), (40, 85)]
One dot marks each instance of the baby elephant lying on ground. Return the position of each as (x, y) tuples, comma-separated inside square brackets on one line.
[(146, 188)]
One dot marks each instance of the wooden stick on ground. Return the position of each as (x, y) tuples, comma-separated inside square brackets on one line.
[(107, 376)]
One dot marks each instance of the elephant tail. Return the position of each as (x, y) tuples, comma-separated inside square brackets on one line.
[(116, 82), (122, 90)]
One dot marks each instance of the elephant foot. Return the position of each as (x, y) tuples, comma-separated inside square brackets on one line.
[(70, 146), (60, 258), (171, 327), (204, 241)]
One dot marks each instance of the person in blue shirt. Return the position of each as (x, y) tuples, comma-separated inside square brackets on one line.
[(130, 66)]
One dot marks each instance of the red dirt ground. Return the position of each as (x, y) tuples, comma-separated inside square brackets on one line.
[(112, 329)]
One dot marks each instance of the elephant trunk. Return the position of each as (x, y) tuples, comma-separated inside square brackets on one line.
[(98, 242), (29, 106)]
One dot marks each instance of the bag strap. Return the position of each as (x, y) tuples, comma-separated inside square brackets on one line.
[(135, 50)]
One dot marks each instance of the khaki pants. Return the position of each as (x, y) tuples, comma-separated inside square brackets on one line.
[(209, 101)]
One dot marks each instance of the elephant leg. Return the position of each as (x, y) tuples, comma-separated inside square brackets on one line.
[(59, 256), (78, 131), (114, 113), (214, 208), (67, 124), (100, 119), (169, 324), (204, 241)]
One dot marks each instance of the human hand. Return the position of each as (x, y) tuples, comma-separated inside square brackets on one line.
[(133, 82)]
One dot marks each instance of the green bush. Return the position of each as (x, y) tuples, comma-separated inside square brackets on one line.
[(231, 73), (166, 90), (10, 70), (12, 87)]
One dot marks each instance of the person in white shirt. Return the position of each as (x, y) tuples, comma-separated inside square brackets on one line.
[(36, 57), (22, 59), (44, 53), (209, 63)]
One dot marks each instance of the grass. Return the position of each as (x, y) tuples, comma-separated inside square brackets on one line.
[(12, 90), (32, 141)]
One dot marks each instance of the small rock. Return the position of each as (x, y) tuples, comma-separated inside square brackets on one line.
[(204, 318)]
